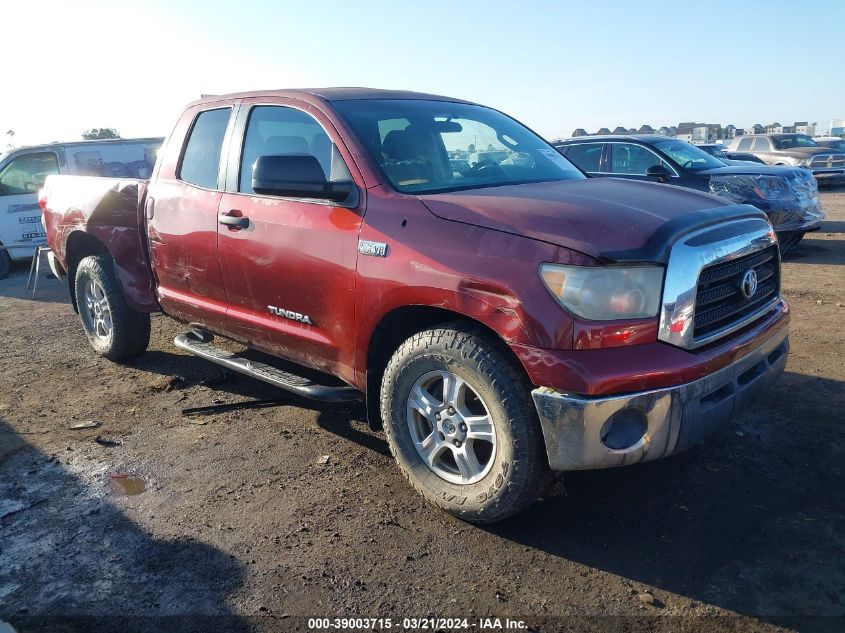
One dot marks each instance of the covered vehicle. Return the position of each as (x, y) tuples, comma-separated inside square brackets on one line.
[(788, 195)]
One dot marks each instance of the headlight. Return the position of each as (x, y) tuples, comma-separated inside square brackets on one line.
[(801, 162), (605, 293), (772, 188)]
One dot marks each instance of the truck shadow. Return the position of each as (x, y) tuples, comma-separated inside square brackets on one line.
[(346, 420), (71, 560), (817, 251), (746, 521)]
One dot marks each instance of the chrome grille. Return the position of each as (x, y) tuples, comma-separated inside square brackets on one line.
[(828, 160), (720, 302)]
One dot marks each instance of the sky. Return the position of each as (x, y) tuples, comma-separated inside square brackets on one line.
[(555, 66)]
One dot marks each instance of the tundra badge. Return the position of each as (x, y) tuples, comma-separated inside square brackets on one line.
[(290, 314), (374, 249)]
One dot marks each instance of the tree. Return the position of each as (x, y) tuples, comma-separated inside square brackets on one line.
[(103, 133)]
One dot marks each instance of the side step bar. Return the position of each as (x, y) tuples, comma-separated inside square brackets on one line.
[(193, 342)]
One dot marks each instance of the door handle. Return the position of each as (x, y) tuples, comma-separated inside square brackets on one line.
[(233, 221), (149, 208)]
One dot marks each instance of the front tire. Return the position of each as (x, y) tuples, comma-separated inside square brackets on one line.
[(114, 330), (462, 426)]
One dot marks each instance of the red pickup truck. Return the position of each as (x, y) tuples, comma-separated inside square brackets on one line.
[(503, 317)]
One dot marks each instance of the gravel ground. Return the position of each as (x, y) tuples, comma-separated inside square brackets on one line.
[(258, 519)]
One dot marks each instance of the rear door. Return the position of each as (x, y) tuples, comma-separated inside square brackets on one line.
[(587, 157), (20, 216), (762, 147), (290, 274), (181, 210)]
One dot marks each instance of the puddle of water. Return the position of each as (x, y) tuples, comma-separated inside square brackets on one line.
[(123, 485)]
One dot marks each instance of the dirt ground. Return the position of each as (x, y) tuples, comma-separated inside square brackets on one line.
[(244, 523)]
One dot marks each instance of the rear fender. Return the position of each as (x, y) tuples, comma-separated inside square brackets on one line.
[(89, 216)]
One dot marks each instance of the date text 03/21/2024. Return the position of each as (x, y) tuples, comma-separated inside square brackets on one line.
[(414, 624)]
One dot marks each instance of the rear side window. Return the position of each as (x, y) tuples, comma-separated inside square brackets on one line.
[(201, 160), (277, 131), (761, 144), (744, 144), (587, 156), (27, 173)]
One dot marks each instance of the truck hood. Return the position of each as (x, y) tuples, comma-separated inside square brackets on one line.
[(805, 152), (595, 216)]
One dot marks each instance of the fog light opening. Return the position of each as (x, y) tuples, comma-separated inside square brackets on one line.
[(624, 429)]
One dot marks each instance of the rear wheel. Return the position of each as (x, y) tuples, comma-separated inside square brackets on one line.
[(114, 329), (5, 264), (462, 426)]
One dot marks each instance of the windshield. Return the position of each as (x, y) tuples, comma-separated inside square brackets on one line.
[(688, 156), (793, 140), (437, 146)]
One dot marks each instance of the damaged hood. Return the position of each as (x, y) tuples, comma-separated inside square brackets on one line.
[(594, 216)]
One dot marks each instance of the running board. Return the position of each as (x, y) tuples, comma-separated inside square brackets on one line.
[(191, 342)]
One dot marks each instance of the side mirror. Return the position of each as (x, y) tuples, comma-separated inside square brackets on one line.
[(659, 173), (296, 176)]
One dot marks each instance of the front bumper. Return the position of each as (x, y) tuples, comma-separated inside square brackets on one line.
[(576, 428)]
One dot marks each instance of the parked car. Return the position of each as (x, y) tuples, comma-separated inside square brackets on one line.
[(500, 324), (796, 150), (23, 171), (831, 142), (718, 151), (744, 157), (788, 195)]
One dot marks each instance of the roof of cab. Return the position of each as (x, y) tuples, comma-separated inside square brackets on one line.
[(330, 94)]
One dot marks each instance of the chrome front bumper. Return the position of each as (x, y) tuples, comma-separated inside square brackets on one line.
[(576, 428)]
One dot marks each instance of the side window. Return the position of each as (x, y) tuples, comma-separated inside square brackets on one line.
[(744, 144), (201, 160), (27, 173), (587, 156), (278, 131), (761, 144), (632, 160)]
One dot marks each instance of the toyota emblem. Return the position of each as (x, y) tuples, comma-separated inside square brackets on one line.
[(749, 283)]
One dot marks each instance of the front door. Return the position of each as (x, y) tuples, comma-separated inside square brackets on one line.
[(181, 210), (20, 215), (290, 272)]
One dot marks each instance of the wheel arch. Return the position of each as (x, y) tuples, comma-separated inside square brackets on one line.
[(400, 324), (126, 252)]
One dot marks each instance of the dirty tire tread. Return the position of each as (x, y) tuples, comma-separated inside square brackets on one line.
[(528, 475), (130, 329)]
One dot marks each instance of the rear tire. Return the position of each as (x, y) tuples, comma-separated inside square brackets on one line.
[(5, 264), (462, 426), (114, 330)]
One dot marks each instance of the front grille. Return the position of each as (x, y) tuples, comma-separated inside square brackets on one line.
[(828, 160), (720, 302)]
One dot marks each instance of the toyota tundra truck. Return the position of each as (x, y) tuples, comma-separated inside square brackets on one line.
[(501, 321)]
